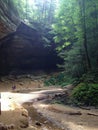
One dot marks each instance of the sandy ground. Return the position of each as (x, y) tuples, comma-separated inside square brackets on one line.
[(15, 116), (71, 118)]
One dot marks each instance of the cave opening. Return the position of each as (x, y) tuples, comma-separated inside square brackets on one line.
[(23, 51), (26, 41)]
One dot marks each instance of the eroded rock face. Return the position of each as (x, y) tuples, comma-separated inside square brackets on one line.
[(24, 50), (8, 19)]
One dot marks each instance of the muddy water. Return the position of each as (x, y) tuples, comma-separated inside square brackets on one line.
[(39, 121)]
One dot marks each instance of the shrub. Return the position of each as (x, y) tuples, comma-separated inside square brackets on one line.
[(59, 79), (85, 94)]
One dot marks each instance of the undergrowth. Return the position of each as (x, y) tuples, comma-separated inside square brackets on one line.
[(60, 80), (86, 91), (85, 94)]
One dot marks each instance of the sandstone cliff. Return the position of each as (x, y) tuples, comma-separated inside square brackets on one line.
[(8, 18)]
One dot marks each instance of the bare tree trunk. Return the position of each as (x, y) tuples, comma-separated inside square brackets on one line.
[(96, 21), (50, 12), (85, 34), (26, 8)]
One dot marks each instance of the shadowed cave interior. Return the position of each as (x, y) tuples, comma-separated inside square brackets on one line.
[(23, 51)]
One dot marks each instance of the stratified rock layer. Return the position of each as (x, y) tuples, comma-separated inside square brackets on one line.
[(8, 18)]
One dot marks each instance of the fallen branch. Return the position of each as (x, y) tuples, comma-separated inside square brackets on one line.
[(92, 114), (85, 108)]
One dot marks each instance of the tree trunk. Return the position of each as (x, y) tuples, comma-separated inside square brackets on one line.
[(26, 8), (85, 36)]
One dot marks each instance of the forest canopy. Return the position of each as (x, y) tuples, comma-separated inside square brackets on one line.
[(42, 11)]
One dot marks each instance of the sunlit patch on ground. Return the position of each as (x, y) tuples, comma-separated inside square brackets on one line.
[(7, 103), (43, 105), (11, 101), (74, 126)]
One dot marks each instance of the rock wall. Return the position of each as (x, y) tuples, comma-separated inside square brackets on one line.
[(24, 51), (8, 18)]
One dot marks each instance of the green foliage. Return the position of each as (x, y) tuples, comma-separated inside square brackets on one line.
[(65, 23), (60, 80), (73, 61), (36, 11), (90, 77), (85, 94), (76, 35), (50, 81)]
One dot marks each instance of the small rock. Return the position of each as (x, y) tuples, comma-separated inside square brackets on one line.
[(44, 128), (12, 126), (8, 127), (32, 128), (45, 122), (24, 123), (38, 123), (1, 125), (4, 128), (21, 83), (25, 113)]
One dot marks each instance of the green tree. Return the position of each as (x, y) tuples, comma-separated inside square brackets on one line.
[(76, 32)]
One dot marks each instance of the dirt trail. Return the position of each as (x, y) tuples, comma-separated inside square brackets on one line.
[(71, 118), (16, 103), (26, 108)]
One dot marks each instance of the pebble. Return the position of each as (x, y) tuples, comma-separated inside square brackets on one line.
[(44, 128), (6, 127), (38, 123)]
